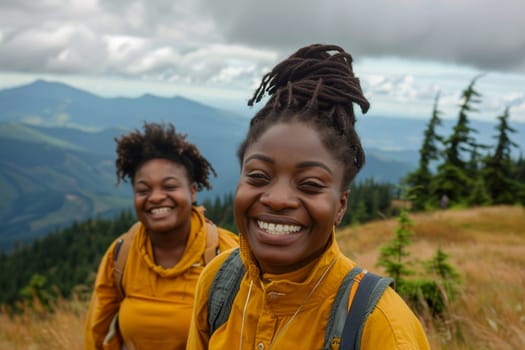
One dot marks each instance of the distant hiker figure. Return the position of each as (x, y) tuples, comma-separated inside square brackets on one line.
[(443, 203)]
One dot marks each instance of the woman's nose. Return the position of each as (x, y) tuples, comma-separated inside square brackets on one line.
[(279, 195), (157, 195)]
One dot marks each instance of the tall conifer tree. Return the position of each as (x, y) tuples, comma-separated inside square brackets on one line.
[(453, 178), (419, 180), (499, 172)]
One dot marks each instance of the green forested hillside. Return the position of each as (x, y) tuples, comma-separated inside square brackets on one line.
[(47, 182), (65, 258)]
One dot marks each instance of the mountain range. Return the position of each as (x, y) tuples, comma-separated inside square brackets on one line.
[(57, 151)]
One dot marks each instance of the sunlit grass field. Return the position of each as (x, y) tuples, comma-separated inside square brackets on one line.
[(486, 245), (38, 329)]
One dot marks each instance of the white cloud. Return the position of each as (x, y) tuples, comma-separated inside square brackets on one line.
[(470, 32), (405, 51), (121, 47)]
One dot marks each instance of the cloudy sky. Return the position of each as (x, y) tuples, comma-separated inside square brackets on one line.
[(215, 51)]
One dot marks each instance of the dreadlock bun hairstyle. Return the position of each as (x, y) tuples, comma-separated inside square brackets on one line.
[(160, 141), (315, 85)]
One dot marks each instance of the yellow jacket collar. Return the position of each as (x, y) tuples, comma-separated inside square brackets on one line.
[(192, 253), (294, 286)]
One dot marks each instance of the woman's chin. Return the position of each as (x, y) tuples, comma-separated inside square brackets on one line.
[(276, 261)]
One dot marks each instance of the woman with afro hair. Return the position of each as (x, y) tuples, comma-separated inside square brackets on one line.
[(149, 305)]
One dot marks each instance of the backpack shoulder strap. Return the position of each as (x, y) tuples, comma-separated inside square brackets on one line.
[(223, 290), (212, 237), (369, 291), (120, 256), (339, 311), (212, 242), (348, 297)]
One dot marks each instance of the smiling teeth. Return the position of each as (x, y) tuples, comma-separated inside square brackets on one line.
[(278, 229), (160, 210)]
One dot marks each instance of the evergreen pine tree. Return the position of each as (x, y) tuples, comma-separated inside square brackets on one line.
[(460, 140), (453, 177), (519, 169), (359, 215), (499, 172), (419, 180), (394, 255), (479, 195), (447, 276)]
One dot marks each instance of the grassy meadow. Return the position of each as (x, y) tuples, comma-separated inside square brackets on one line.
[(486, 245)]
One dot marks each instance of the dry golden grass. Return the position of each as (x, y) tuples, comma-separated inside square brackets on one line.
[(36, 329), (486, 245)]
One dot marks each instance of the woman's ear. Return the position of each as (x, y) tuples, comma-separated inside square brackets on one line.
[(193, 191), (343, 202)]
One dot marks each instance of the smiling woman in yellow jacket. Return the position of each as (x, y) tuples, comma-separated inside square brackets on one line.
[(297, 162), (262, 315), (166, 255)]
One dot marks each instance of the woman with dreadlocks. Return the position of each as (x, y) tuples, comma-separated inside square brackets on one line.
[(293, 286), (148, 276)]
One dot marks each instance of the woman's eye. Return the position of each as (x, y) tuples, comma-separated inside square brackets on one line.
[(141, 191), (311, 186), (257, 177)]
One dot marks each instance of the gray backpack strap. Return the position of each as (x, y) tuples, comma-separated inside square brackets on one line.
[(339, 312), (368, 293), (223, 290)]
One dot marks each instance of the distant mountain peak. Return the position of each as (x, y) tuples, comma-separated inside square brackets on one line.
[(45, 82), (149, 96), (46, 88), (55, 85)]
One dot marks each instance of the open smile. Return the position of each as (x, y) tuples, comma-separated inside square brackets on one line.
[(277, 229), (160, 211)]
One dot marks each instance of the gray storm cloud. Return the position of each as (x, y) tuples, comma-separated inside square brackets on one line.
[(484, 34), (216, 40)]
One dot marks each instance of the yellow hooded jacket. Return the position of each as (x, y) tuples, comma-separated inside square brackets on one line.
[(156, 312), (281, 312)]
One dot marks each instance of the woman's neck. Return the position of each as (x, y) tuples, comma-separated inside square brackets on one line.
[(168, 247)]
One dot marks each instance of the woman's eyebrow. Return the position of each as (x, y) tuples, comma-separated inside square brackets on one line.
[(260, 157), (306, 164), (310, 164)]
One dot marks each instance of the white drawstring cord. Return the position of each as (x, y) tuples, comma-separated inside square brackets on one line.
[(244, 314), (281, 331)]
